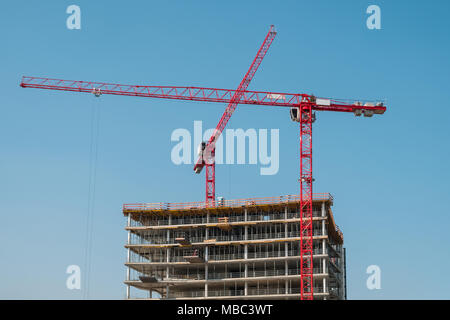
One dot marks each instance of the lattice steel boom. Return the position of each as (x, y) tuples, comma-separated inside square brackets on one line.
[(255, 98), (207, 158)]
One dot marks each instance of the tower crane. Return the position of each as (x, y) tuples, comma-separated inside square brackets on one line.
[(302, 110)]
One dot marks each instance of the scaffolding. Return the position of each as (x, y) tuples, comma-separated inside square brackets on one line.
[(240, 249)]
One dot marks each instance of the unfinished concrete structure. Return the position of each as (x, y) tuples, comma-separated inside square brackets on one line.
[(238, 249)]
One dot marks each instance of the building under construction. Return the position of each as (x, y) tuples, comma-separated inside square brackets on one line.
[(236, 249)]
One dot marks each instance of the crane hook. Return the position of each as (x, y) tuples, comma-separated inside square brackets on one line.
[(97, 92)]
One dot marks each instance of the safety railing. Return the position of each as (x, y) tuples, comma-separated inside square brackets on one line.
[(151, 237), (135, 258), (165, 206), (229, 275), (160, 240), (225, 256), (186, 220), (257, 273)]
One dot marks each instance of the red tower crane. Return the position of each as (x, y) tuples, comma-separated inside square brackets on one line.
[(302, 110)]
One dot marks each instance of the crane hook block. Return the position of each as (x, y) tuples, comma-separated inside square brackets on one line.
[(97, 92)]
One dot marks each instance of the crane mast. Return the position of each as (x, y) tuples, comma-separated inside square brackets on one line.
[(306, 205), (302, 109)]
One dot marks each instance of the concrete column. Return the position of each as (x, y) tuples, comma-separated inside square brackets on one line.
[(129, 220), (325, 280), (167, 260), (325, 284), (168, 231), (344, 276), (245, 270), (206, 256), (286, 270), (206, 278), (206, 253), (285, 231), (324, 230), (128, 255), (246, 252), (129, 231), (168, 249), (324, 214)]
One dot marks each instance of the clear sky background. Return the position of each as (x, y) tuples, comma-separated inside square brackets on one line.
[(389, 174)]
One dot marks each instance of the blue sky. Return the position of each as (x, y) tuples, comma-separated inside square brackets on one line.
[(388, 174)]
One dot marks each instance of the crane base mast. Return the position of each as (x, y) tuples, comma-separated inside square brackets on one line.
[(306, 214)]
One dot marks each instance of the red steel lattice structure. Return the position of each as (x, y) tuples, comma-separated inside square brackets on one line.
[(302, 110), (306, 201), (207, 159), (256, 98)]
